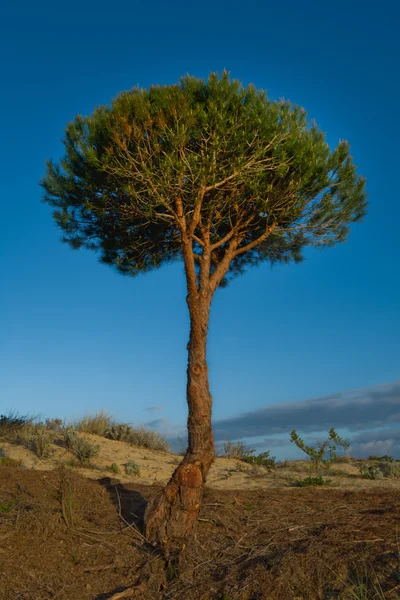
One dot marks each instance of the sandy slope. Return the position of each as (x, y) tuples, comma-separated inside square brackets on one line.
[(157, 467)]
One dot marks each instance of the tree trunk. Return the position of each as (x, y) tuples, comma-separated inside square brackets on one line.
[(172, 515)]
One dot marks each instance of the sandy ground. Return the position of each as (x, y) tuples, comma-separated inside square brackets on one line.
[(157, 468)]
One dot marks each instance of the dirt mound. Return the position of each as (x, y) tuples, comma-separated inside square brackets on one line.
[(65, 537), (155, 467)]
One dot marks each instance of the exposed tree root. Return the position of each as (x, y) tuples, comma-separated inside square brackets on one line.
[(172, 515)]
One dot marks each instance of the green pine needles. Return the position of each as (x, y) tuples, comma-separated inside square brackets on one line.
[(252, 179)]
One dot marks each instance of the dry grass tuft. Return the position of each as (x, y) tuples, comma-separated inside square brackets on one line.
[(98, 424), (12, 423), (139, 436), (36, 438), (237, 450), (82, 448)]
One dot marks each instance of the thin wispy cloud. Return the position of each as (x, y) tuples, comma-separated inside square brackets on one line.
[(156, 423), (153, 409)]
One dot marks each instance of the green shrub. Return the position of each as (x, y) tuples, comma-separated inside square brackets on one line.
[(138, 436), (390, 469), (237, 450), (385, 457), (54, 424), (323, 454), (371, 471), (115, 468), (132, 468), (12, 423), (120, 432), (261, 460), (380, 469), (7, 506), (311, 481), (33, 436), (241, 451), (82, 448), (98, 424), (346, 459), (5, 461), (71, 463), (36, 438)]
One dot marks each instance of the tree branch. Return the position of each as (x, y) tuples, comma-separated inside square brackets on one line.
[(222, 267), (256, 242), (231, 233), (187, 251)]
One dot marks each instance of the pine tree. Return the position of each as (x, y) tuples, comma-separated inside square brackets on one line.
[(213, 174)]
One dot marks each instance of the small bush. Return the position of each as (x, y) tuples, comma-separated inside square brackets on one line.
[(97, 424), (36, 438), (261, 460), (120, 432), (132, 468), (312, 481), (54, 424), (385, 457), (7, 506), (345, 459), (241, 451), (83, 449), (150, 439), (5, 461), (72, 463), (115, 468), (140, 437), (12, 423), (371, 471), (390, 469), (237, 450), (380, 469)]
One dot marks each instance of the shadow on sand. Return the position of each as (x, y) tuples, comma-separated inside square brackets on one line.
[(130, 503)]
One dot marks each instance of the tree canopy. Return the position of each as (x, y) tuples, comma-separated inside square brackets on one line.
[(243, 178)]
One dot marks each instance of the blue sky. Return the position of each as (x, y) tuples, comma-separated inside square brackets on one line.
[(77, 336)]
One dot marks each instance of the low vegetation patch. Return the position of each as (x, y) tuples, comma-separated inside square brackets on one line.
[(241, 451), (237, 450), (82, 448), (380, 469), (7, 506), (311, 481), (99, 423), (5, 461), (132, 468), (54, 424), (11, 424), (138, 436), (261, 460), (36, 437)]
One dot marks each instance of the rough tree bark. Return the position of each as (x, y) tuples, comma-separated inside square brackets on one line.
[(172, 515)]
